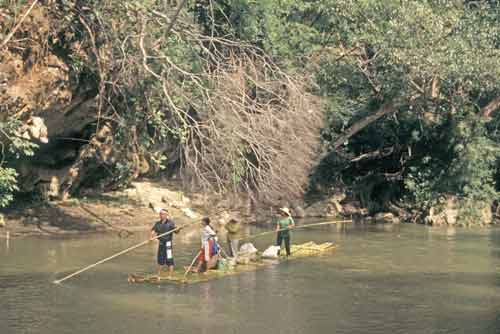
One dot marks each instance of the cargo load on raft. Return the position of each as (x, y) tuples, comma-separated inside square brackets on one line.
[(247, 260)]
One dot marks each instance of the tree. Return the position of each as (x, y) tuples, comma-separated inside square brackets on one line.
[(438, 65), (152, 90), (14, 143)]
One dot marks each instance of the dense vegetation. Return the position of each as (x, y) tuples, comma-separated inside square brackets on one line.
[(395, 101)]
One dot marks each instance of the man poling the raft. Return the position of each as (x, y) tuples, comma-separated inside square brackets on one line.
[(125, 251), (165, 255), (298, 251), (283, 227)]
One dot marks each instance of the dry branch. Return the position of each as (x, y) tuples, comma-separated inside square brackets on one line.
[(13, 31), (219, 109)]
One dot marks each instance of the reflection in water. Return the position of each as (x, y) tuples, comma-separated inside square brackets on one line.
[(7, 240), (382, 279), (207, 302)]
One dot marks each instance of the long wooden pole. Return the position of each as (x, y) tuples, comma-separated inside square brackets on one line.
[(295, 228), (128, 249), (121, 253), (191, 266)]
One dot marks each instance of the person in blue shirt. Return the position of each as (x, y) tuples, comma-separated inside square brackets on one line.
[(165, 255)]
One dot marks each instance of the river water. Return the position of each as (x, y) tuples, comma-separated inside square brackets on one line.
[(381, 279)]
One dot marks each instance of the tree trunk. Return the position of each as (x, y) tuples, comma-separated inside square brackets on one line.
[(385, 109), (487, 110)]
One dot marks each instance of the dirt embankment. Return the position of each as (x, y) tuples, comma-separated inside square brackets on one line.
[(127, 211), (121, 212), (48, 91)]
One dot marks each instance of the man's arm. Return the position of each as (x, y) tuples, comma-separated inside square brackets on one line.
[(153, 232), (177, 229), (211, 231)]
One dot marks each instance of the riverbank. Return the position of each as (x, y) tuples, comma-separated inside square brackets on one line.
[(122, 212), (127, 211)]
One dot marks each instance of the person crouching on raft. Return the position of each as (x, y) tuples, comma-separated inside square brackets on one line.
[(165, 255), (208, 254), (283, 227)]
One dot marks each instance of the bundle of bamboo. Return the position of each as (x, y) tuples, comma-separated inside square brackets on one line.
[(307, 249)]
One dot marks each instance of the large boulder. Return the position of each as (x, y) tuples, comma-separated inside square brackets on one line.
[(319, 209), (298, 211), (453, 211), (386, 218), (353, 208), (334, 205), (486, 214)]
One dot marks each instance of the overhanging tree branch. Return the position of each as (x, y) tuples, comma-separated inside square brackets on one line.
[(385, 109), (491, 107)]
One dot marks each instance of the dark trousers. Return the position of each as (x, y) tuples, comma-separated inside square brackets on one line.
[(165, 257), (284, 236), (233, 246)]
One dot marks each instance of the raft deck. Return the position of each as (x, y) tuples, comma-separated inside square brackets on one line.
[(307, 249)]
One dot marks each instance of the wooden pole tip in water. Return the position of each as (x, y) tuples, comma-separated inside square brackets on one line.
[(56, 282)]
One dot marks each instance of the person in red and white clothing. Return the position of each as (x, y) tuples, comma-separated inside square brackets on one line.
[(208, 254)]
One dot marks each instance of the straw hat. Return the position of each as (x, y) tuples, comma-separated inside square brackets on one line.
[(285, 210)]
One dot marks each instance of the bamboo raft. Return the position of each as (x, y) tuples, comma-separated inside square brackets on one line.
[(307, 249)]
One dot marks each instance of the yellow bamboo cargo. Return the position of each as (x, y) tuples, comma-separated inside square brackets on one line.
[(298, 251)]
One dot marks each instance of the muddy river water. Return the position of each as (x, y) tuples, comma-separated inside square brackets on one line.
[(381, 279)]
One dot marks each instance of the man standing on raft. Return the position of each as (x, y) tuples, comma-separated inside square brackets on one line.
[(233, 236), (165, 255), (283, 226)]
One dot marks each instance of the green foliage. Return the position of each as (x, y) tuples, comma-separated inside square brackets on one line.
[(437, 62), (16, 143), (472, 168), (8, 186), (13, 145)]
